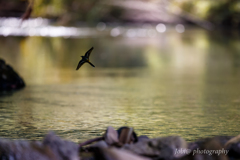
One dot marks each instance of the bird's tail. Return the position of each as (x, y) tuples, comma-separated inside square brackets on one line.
[(91, 64)]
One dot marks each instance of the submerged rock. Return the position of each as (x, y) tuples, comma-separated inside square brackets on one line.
[(9, 79)]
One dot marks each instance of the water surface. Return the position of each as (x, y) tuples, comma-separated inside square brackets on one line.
[(165, 84)]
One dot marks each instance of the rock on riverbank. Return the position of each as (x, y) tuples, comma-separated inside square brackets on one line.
[(9, 79)]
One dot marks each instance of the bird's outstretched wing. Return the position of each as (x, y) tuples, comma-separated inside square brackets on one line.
[(80, 64), (87, 54), (91, 64)]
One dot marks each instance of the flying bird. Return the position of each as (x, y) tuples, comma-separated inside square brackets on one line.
[(85, 59)]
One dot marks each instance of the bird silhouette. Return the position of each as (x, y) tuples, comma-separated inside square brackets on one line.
[(85, 59)]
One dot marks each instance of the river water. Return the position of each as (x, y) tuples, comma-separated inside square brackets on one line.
[(170, 83)]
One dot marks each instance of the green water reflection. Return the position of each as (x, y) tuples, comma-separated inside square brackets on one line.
[(173, 84)]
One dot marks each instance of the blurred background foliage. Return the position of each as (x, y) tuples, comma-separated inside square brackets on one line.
[(71, 11), (68, 12), (220, 12)]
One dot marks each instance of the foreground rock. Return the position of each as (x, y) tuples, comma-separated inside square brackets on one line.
[(233, 145), (122, 144), (160, 148), (9, 79), (116, 154), (208, 149), (51, 148)]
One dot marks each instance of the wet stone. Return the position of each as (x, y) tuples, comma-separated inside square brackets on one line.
[(111, 136), (209, 149), (160, 148), (52, 148), (116, 154), (9, 79), (233, 145)]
